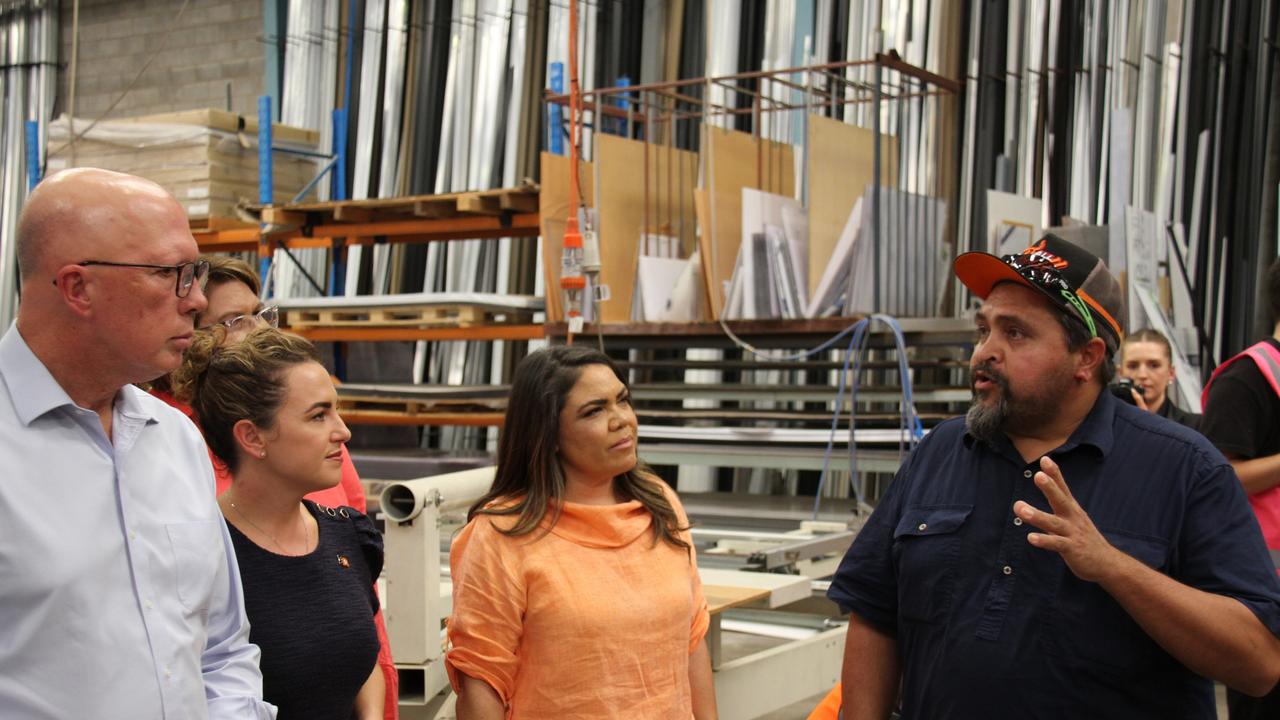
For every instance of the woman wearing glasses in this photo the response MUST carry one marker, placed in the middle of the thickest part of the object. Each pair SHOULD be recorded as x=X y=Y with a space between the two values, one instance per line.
x=268 y=408
x=232 y=287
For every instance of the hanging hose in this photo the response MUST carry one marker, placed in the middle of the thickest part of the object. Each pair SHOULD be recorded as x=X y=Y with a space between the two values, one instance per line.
x=909 y=425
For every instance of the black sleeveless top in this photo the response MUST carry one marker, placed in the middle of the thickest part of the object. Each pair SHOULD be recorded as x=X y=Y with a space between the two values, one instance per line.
x=312 y=616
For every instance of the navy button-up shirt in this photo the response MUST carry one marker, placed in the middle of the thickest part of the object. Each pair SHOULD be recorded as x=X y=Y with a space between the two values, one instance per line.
x=989 y=626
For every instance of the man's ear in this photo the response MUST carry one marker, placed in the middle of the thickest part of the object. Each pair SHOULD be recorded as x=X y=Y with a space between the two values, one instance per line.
x=1092 y=356
x=249 y=438
x=72 y=285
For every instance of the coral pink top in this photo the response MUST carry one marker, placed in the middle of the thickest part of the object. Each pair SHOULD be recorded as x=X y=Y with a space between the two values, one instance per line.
x=591 y=620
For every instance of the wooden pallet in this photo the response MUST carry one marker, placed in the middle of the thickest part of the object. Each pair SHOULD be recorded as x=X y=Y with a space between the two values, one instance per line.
x=504 y=201
x=409 y=406
x=414 y=316
x=401 y=411
x=217 y=224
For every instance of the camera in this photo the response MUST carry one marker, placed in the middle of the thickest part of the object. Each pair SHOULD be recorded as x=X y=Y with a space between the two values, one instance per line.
x=1123 y=389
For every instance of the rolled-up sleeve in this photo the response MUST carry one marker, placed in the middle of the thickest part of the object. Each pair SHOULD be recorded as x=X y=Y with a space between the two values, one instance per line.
x=1221 y=549
x=701 y=619
x=229 y=663
x=701 y=616
x=488 y=609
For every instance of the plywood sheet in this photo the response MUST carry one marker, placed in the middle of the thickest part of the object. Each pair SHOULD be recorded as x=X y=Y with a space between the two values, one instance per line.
x=779 y=589
x=720 y=598
x=702 y=211
x=736 y=161
x=841 y=165
x=554 y=205
x=227 y=122
x=626 y=209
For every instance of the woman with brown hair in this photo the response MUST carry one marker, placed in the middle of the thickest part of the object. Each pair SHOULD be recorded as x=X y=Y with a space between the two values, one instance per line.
x=232 y=288
x=575 y=586
x=269 y=410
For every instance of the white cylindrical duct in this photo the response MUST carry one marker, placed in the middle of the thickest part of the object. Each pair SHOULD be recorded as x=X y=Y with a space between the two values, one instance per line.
x=403 y=501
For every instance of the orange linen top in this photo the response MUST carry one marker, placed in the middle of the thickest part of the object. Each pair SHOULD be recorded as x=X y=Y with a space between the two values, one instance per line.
x=590 y=621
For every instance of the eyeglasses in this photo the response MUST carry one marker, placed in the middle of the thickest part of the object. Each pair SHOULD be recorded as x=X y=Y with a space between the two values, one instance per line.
x=188 y=273
x=268 y=316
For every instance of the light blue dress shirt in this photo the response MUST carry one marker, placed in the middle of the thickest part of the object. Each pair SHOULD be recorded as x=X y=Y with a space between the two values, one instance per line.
x=119 y=591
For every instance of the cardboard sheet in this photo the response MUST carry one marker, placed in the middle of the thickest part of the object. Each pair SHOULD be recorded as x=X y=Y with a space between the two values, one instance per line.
x=623 y=210
x=736 y=161
x=841 y=166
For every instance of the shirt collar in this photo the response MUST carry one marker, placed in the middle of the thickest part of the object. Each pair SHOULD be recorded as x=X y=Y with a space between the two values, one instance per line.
x=32 y=388
x=1095 y=431
x=35 y=392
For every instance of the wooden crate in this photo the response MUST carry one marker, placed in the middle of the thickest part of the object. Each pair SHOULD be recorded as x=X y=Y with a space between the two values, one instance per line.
x=210 y=162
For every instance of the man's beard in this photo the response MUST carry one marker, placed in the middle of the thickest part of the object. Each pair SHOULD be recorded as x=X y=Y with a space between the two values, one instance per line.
x=1027 y=411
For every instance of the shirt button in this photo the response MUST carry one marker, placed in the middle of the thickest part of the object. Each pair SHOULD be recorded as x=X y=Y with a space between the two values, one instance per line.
x=168 y=673
x=1006 y=570
x=1017 y=521
x=150 y=606
x=1027 y=473
x=921 y=527
x=133 y=535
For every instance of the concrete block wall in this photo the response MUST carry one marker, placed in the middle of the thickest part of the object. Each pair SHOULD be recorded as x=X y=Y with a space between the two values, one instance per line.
x=216 y=45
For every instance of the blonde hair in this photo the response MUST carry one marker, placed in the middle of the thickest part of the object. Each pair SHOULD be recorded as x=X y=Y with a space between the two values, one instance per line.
x=241 y=381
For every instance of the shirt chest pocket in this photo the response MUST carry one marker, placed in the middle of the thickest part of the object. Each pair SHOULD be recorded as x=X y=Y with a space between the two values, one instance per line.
x=1095 y=630
x=196 y=554
x=926 y=548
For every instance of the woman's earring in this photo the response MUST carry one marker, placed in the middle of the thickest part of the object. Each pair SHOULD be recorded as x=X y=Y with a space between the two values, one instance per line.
x=263 y=454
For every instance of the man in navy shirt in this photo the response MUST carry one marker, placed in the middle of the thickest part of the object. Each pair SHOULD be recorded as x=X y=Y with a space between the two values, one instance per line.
x=1056 y=553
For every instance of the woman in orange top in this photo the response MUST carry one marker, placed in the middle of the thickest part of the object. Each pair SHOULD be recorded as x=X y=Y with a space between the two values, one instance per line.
x=575 y=586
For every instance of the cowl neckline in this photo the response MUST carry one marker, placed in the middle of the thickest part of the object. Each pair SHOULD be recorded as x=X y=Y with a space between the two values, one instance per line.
x=600 y=526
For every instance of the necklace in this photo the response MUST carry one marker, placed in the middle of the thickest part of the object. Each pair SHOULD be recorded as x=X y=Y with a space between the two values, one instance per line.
x=306 y=532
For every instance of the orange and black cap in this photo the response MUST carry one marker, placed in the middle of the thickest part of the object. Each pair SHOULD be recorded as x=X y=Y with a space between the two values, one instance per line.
x=1070 y=276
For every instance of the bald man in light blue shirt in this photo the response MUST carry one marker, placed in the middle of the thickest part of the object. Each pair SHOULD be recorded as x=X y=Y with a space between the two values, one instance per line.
x=119 y=591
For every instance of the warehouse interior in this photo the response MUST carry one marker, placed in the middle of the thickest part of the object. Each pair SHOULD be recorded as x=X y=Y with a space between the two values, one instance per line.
x=753 y=207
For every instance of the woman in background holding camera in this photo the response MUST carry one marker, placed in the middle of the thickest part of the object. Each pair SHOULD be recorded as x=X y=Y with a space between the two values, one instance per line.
x=1146 y=358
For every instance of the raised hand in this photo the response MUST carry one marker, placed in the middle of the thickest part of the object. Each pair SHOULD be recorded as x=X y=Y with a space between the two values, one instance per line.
x=1068 y=530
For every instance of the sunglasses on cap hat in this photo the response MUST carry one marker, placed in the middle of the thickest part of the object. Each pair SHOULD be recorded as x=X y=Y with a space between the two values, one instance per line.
x=1070 y=276
x=1043 y=274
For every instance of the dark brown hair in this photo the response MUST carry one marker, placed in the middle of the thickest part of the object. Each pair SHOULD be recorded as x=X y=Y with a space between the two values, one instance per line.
x=222 y=268
x=529 y=480
x=241 y=381
x=1152 y=336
